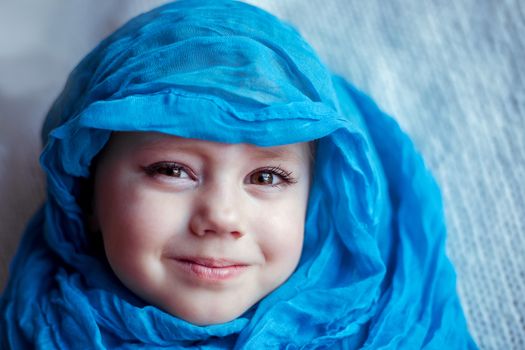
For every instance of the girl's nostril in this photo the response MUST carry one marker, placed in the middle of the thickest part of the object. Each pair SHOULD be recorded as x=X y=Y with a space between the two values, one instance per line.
x=236 y=234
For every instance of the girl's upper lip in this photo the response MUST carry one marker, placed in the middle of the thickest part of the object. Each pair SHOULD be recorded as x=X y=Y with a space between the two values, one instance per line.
x=210 y=262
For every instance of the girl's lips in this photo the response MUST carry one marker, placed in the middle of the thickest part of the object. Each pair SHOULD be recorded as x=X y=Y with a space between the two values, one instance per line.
x=210 y=269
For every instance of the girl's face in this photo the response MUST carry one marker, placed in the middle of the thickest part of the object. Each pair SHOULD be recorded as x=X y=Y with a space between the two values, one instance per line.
x=203 y=230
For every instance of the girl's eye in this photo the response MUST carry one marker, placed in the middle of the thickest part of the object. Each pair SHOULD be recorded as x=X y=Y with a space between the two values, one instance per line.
x=262 y=178
x=274 y=176
x=168 y=169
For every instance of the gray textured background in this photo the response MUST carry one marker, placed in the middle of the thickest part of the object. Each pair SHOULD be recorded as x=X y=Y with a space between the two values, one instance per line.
x=450 y=72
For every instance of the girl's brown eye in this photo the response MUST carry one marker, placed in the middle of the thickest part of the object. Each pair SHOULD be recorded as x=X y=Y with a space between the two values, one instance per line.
x=262 y=178
x=271 y=176
x=168 y=171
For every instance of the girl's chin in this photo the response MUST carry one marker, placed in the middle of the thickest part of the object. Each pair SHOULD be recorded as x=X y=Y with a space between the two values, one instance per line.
x=209 y=318
x=205 y=314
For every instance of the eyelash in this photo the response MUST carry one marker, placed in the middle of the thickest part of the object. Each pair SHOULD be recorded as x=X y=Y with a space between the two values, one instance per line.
x=159 y=168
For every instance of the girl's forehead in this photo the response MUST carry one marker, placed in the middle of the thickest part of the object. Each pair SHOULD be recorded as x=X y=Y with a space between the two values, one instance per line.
x=133 y=142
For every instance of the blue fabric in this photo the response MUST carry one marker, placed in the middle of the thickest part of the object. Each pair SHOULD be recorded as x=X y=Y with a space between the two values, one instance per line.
x=373 y=273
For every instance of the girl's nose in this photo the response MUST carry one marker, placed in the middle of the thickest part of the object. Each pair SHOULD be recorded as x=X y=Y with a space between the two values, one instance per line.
x=217 y=212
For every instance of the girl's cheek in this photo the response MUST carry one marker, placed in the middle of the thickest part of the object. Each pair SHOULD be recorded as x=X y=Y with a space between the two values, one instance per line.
x=283 y=239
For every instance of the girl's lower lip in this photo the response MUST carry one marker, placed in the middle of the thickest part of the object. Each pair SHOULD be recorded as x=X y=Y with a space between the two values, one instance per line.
x=210 y=273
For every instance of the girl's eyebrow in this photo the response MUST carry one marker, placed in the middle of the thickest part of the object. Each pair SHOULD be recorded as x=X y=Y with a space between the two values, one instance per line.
x=276 y=152
x=264 y=153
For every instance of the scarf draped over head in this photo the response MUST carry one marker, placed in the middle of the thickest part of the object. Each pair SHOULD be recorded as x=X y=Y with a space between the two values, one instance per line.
x=373 y=273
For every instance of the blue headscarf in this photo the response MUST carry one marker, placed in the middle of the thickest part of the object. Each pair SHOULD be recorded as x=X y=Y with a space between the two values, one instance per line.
x=373 y=272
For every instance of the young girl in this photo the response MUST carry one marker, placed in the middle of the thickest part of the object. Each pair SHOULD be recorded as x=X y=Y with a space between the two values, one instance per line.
x=211 y=184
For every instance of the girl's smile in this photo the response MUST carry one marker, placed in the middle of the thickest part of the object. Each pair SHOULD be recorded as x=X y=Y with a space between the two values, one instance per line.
x=203 y=230
x=210 y=269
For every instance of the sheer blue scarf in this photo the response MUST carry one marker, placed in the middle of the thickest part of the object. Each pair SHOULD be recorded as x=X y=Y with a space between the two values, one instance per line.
x=373 y=272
